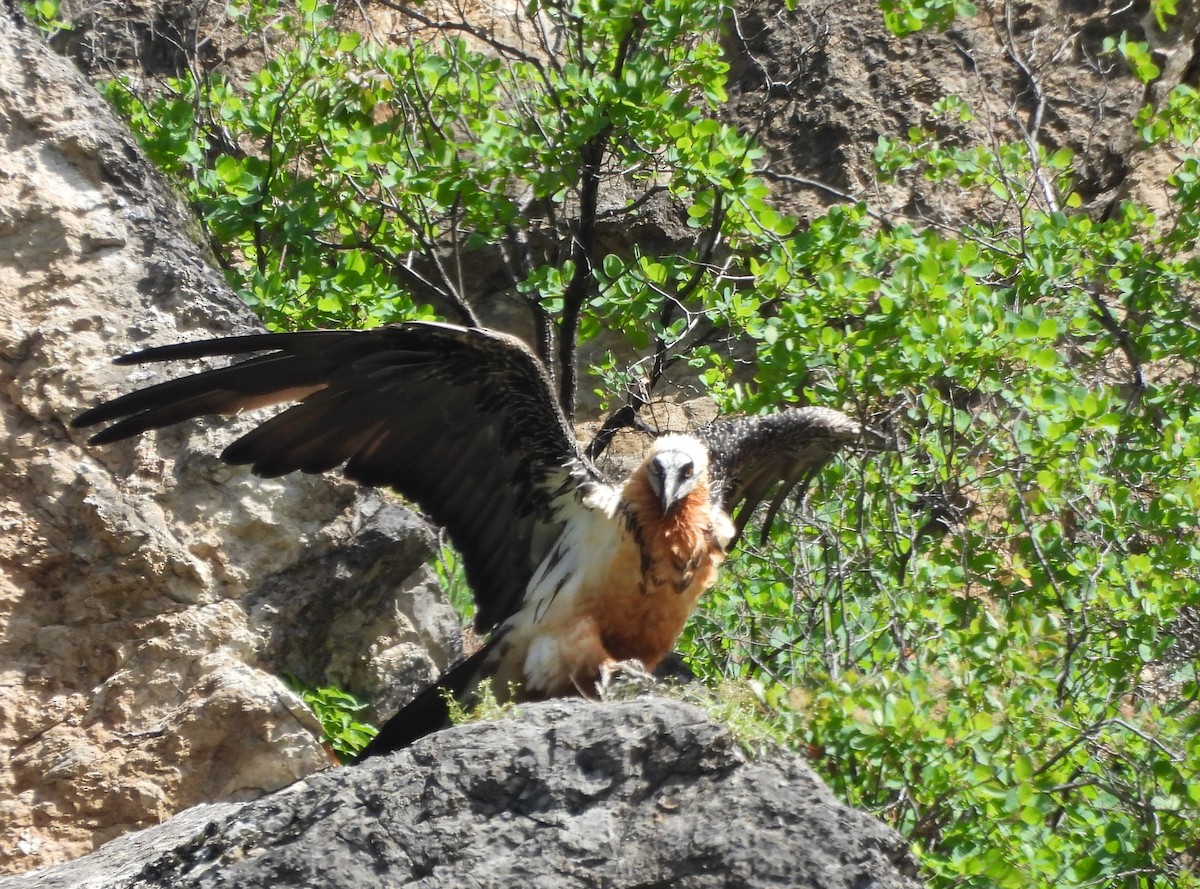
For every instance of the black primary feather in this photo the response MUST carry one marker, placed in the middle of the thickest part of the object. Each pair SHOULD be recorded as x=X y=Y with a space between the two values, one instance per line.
x=429 y=711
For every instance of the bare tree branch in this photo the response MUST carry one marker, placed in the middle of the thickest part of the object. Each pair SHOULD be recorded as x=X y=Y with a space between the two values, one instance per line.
x=1120 y=333
x=583 y=244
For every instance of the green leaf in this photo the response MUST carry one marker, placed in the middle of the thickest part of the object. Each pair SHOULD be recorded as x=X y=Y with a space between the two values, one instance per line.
x=1045 y=358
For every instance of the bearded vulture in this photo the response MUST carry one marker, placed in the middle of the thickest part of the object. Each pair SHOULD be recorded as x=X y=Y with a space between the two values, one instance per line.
x=573 y=575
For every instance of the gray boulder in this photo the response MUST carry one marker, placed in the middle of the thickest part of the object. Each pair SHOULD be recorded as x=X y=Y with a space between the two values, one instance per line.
x=648 y=793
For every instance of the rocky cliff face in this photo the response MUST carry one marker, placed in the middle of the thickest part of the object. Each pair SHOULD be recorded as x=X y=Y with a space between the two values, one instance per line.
x=150 y=596
x=567 y=794
x=821 y=85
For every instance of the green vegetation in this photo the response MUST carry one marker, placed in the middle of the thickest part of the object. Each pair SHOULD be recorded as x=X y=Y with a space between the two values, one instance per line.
x=972 y=636
x=336 y=710
x=46 y=15
x=483 y=708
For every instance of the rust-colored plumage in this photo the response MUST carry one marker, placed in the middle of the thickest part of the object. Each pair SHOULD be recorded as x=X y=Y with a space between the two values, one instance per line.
x=572 y=574
x=679 y=553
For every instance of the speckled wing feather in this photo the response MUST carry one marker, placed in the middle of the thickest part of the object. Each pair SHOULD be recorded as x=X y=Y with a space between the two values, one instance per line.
x=461 y=421
x=756 y=458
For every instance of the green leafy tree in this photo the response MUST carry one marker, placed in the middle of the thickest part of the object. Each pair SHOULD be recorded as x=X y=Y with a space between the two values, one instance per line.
x=349 y=182
x=982 y=636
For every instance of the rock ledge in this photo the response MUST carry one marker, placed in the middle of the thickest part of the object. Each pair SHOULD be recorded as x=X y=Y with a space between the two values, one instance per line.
x=566 y=794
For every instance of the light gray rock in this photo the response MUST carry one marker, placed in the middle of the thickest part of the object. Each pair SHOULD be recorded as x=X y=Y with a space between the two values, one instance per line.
x=150 y=595
x=566 y=794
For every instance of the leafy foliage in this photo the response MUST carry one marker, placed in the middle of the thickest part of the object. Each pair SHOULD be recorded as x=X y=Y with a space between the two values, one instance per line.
x=337 y=711
x=330 y=180
x=484 y=707
x=976 y=639
x=45 y=14
x=979 y=635
x=909 y=16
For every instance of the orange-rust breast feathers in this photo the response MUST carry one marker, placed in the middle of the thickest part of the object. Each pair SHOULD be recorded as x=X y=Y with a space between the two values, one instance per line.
x=672 y=558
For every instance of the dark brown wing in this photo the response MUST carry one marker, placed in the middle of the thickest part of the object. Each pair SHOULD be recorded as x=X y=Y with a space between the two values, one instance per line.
x=461 y=421
x=756 y=458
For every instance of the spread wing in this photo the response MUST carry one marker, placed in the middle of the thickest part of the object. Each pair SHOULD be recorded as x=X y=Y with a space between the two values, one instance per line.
x=753 y=459
x=461 y=421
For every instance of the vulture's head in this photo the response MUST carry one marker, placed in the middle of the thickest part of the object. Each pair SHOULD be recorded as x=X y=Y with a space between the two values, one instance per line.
x=676 y=465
